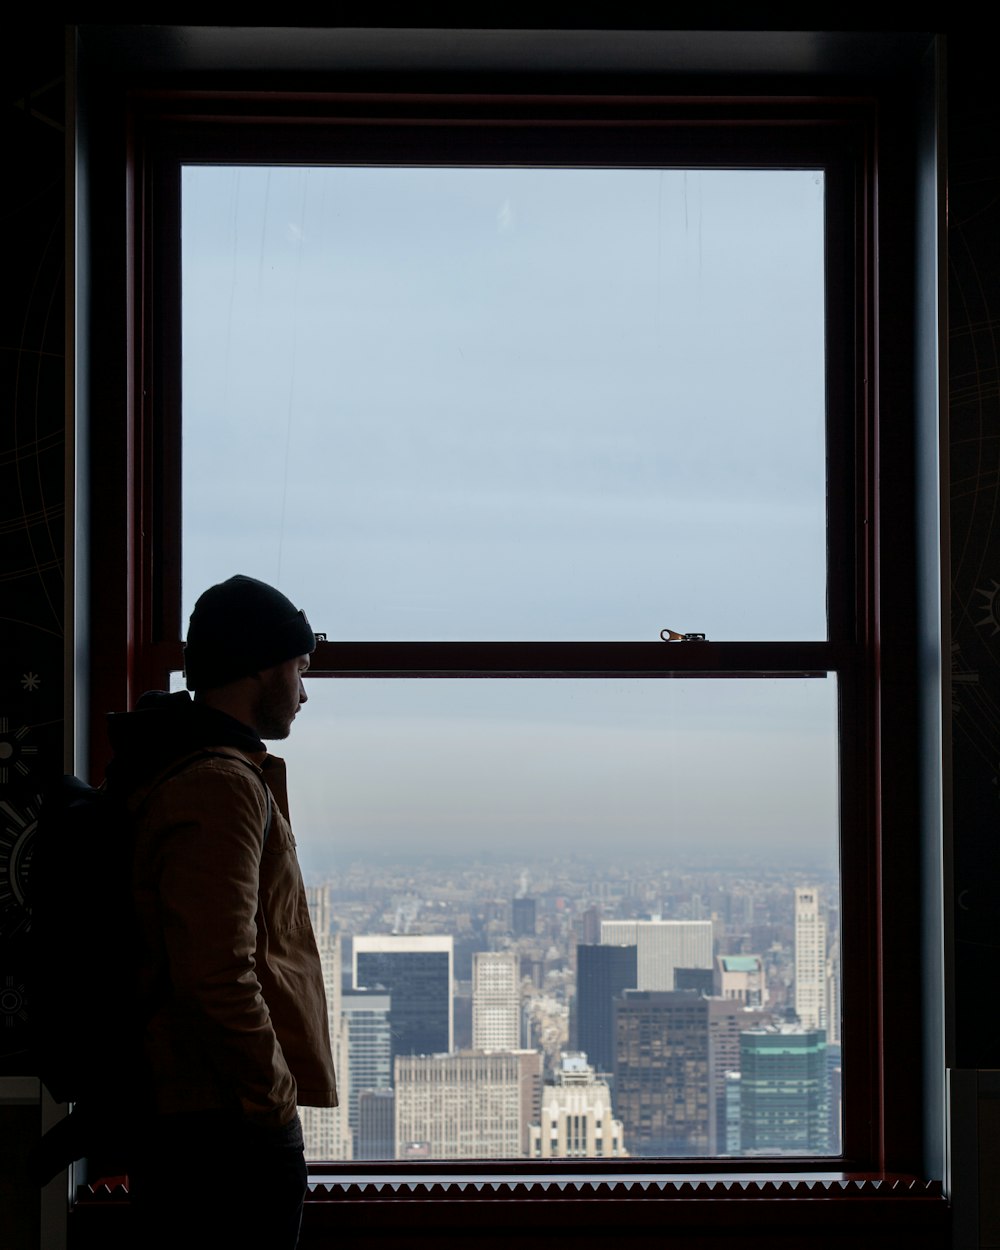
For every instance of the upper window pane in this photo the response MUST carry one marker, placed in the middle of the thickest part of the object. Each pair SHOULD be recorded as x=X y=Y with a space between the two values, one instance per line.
x=509 y=403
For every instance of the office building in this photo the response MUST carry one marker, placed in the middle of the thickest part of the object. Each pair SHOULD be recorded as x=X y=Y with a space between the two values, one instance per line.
x=366 y=1023
x=375 y=1135
x=731 y=1142
x=785 y=1091
x=416 y=972
x=602 y=974
x=496 y=1001
x=523 y=917
x=740 y=977
x=471 y=1105
x=325 y=1130
x=661 y=947
x=590 y=927
x=832 y=993
x=662 y=1085
x=701 y=980
x=575 y=1119
x=834 y=1067
x=728 y=1019
x=810 y=959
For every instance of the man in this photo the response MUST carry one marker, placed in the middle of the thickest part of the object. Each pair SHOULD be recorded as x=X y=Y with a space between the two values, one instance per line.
x=231 y=988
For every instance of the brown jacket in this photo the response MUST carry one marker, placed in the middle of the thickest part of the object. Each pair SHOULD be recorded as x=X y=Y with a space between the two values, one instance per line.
x=233 y=978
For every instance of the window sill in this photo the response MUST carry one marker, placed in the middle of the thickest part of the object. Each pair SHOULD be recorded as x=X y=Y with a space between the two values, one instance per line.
x=684 y=1209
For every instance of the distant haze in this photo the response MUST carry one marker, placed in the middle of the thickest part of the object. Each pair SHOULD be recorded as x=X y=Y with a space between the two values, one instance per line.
x=511 y=403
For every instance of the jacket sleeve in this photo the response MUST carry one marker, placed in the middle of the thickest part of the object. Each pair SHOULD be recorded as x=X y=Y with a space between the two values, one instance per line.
x=206 y=833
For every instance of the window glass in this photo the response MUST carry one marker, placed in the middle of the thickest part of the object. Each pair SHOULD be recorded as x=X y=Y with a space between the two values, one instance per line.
x=510 y=403
x=521 y=837
x=549 y=404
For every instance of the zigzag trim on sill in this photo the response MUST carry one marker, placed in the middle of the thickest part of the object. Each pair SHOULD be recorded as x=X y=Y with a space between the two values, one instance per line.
x=498 y=1189
x=865 y=1189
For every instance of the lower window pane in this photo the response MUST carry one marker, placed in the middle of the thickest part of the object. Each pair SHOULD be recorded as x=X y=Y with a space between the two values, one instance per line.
x=574 y=918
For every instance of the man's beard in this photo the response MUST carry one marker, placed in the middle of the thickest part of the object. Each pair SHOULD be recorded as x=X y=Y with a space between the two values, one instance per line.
x=272 y=718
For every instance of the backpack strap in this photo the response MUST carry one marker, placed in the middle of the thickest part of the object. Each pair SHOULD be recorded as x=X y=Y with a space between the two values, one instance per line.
x=179 y=765
x=270 y=809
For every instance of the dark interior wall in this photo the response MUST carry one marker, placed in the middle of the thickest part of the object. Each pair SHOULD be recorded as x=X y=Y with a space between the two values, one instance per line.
x=974 y=414
x=32 y=517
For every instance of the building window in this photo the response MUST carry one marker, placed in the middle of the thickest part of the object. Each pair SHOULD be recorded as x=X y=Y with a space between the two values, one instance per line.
x=508 y=418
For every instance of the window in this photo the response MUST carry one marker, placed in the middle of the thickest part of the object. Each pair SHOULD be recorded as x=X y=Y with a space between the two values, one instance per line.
x=517 y=369
x=837 y=656
x=530 y=409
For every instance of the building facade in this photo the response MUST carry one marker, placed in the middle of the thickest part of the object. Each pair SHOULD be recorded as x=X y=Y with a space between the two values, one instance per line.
x=784 y=1091
x=471 y=1105
x=326 y=1130
x=662 y=1074
x=366 y=1023
x=496 y=1001
x=740 y=977
x=810 y=959
x=662 y=946
x=575 y=1119
x=416 y=971
x=602 y=974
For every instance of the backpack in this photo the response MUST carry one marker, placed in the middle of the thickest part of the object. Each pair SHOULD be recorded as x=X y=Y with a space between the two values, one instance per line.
x=86 y=1018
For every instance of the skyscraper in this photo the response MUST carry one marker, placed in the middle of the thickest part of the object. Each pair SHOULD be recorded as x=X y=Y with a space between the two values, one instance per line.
x=471 y=1105
x=575 y=1119
x=416 y=972
x=662 y=946
x=662 y=1086
x=523 y=917
x=728 y=1019
x=496 y=1001
x=325 y=1130
x=375 y=1136
x=832 y=993
x=810 y=959
x=784 y=1091
x=366 y=1015
x=602 y=973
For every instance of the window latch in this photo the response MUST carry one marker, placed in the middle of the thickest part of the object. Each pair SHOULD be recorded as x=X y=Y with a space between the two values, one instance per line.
x=671 y=635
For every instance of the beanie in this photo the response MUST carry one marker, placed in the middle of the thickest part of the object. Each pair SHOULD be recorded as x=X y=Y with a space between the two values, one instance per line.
x=239 y=627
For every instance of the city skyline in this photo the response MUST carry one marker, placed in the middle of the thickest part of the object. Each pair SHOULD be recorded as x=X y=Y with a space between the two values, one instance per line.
x=750 y=990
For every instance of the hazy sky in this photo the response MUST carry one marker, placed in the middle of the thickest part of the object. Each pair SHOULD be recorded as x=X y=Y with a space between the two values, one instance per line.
x=508 y=403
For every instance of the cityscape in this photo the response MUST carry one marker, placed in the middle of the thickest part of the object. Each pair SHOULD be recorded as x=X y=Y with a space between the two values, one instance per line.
x=575 y=1009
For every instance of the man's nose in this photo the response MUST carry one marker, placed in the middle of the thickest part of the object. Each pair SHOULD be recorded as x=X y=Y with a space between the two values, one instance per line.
x=303 y=697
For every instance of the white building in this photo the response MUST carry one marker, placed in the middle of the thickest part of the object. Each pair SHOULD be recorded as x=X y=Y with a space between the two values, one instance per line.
x=325 y=1129
x=496 y=1001
x=575 y=1120
x=469 y=1105
x=661 y=947
x=810 y=959
x=740 y=978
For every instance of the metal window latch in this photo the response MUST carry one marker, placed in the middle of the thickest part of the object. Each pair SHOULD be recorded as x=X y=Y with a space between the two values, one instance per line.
x=671 y=635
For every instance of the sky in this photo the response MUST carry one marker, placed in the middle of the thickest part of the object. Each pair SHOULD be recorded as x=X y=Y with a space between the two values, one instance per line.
x=522 y=404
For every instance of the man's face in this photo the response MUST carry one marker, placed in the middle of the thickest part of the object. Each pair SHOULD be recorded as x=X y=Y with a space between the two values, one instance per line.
x=280 y=696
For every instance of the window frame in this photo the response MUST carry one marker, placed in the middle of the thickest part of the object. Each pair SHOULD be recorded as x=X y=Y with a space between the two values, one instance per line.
x=617 y=133
x=145 y=645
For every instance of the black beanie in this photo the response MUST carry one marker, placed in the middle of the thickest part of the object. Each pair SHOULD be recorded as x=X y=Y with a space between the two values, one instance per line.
x=239 y=627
